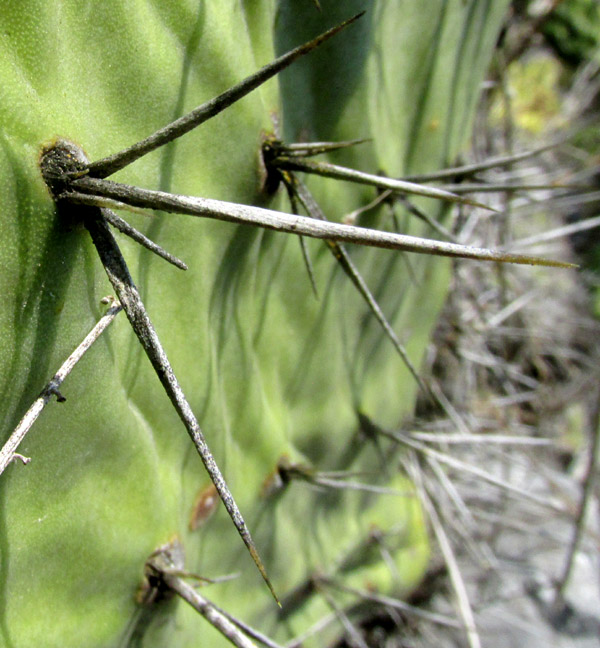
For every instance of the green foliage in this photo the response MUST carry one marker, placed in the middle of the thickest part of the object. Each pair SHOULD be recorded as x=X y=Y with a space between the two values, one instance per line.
x=573 y=29
x=269 y=370
x=534 y=86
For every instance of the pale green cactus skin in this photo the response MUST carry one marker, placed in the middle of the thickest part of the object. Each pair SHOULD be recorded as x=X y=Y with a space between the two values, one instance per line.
x=269 y=370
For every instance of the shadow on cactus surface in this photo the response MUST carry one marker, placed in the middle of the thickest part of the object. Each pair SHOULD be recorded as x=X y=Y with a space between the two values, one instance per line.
x=286 y=387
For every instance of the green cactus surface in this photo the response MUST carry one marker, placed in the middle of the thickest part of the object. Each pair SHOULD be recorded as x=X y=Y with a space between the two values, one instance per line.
x=275 y=376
